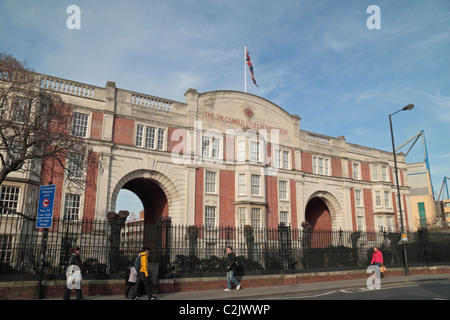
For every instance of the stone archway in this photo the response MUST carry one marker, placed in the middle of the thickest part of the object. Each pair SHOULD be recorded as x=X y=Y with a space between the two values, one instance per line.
x=157 y=193
x=153 y=198
x=318 y=215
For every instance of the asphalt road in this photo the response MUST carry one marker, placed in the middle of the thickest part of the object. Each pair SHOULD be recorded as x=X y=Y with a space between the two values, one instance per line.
x=433 y=290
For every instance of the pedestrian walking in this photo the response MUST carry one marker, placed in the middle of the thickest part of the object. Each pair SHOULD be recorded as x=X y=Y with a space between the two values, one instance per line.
x=377 y=259
x=141 y=265
x=131 y=281
x=231 y=268
x=74 y=278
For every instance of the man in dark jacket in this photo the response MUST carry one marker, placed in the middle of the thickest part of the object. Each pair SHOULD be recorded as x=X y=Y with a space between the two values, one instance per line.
x=231 y=267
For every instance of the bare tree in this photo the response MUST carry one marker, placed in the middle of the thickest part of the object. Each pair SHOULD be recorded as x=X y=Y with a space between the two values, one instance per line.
x=36 y=129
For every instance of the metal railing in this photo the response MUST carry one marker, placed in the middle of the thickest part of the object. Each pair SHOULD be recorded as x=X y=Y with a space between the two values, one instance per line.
x=180 y=250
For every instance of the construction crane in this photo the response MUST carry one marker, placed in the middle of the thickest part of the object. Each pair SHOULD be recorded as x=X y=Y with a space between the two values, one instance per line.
x=444 y=184
x=425 y=152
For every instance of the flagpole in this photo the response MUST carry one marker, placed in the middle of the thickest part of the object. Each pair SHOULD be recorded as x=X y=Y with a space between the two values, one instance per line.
x=245 y=68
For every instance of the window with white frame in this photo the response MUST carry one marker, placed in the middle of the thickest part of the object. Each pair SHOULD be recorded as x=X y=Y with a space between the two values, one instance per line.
x=150 y=137
x=321 y=166
x=358 y=198
x=254 y=151
x=72 y=206
x=241 y=150
x=375 y=173
x=9 y=199
x=284 y=218
x=387 y=199
x=384 y=173
x=285 y=159
x=211 y=147
x=281 y=159
x=242 y=189
x=210 y=216
x=74 y=165
x=80 y=125
x=255 y=184
x=282 y=190
x=390 y=224
x=21 y=110
x=139 y=135
x=242 y=211
x=378 y=199
x=161 y=134
x=356 y=174
x=210 y=182
x=256 y=218
x=380 y=223
x=360 y=223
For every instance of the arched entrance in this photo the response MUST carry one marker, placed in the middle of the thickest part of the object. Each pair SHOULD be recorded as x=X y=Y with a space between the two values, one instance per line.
x=153 y=198
x=318 y=214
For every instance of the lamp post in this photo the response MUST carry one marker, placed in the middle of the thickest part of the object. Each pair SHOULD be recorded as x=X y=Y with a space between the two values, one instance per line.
x=405 y=108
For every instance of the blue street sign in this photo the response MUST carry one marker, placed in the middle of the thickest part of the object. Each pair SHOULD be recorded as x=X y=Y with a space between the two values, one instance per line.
x=45 y=209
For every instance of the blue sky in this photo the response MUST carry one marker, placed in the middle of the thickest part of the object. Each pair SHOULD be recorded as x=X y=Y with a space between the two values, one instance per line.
x=317 y=59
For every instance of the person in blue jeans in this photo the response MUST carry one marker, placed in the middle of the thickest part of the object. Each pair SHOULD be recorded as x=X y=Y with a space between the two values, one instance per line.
x=231 y=267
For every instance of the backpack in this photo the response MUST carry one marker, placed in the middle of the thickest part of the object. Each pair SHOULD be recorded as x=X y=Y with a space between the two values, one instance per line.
x=137 y=263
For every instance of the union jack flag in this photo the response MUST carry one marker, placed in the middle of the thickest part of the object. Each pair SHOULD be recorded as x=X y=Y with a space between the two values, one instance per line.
x=247 y=61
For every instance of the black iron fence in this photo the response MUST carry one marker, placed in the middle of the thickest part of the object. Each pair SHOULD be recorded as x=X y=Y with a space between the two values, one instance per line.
x=109 y=246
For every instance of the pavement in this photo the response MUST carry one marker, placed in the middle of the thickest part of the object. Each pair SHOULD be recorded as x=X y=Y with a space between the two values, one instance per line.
x=277 y=292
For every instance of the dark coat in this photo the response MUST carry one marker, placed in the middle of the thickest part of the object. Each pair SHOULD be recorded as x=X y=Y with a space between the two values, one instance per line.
x=231 y=262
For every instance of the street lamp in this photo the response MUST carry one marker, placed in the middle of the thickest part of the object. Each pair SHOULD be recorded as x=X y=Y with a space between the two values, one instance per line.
x=405 y=108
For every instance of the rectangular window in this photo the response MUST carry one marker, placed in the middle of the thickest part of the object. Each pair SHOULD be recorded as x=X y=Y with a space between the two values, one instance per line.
x=255 y=184
x=210 y=216
x=6 y=243
x=21 y=110
x=242 y=185
x=356 y=171
x=360 y=223
x=387 y=199
x=254 y=151
x=211 y=147
x=80 y=125
x=154 y=137
x=215 y=148
x=241 y=150
x=390 y=224
x=284 y=218
x=139 y=135
x=375 y=173
x=321 y=166
x=161 y=134
x=256 y=218
x=384 y=173
x=72 y=206
x=210 y=182
x=358 y=198
x=378 y=199
x=380 y=223
x=9 y=199
x=285 y=159
x=242 y=217
x=282 y=190
x=74 y=165
x=150 y=138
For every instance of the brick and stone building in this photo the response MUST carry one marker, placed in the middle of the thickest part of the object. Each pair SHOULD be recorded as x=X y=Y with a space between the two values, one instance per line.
x=220 y=158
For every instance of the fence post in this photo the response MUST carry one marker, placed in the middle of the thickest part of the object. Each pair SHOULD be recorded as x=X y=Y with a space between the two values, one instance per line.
x=42 y=260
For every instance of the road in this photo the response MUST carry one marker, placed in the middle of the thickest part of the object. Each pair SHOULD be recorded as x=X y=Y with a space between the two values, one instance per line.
x=433 y=290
